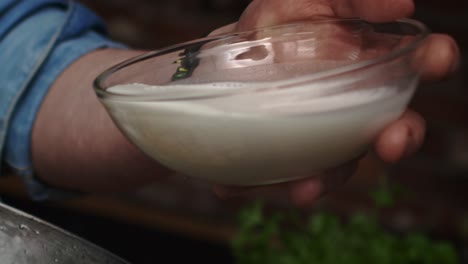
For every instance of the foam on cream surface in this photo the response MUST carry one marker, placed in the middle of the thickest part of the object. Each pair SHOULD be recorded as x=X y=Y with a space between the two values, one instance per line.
x=246 y=97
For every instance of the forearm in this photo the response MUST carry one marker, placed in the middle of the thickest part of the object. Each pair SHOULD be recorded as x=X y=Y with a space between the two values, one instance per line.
x=76 y=145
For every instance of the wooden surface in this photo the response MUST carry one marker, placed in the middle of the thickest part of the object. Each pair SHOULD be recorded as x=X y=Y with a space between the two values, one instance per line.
x=128 y=211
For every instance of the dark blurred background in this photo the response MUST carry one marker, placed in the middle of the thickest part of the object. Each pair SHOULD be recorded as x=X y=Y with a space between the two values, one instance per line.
x=144 y=225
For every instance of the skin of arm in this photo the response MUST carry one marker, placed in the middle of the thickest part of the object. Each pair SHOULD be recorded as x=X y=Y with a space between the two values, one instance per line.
x=75 y=144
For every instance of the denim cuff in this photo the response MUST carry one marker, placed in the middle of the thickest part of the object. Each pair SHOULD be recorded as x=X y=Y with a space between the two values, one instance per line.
x=35 y=50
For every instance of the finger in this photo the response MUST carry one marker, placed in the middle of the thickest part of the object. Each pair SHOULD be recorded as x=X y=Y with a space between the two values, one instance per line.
x=372 y=10
x=439 y=57
x=230 y=192
x=402 y=138
x=300 y=190
x=262 y=13
x=304 y=193
x=300 y=193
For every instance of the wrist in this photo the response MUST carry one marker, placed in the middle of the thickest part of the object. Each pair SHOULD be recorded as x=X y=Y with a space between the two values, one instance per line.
x=75 y=144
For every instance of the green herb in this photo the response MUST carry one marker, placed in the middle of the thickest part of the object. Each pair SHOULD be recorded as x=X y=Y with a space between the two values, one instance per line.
x=282 y=238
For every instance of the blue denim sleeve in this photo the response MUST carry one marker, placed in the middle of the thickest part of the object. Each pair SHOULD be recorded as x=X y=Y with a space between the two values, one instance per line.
x=38 y=40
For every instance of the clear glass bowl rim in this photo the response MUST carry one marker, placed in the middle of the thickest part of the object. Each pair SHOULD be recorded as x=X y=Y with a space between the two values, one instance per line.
x=424 y=32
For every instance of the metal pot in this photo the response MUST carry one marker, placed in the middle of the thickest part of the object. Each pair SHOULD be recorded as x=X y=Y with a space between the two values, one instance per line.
x=25 y=239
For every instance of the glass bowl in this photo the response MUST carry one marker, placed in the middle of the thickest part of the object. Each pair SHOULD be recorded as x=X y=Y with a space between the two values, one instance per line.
x=269 y=105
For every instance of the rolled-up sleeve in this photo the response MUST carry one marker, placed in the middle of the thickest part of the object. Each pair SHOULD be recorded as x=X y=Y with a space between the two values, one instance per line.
x=38 y=40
